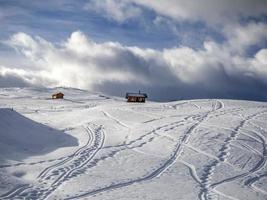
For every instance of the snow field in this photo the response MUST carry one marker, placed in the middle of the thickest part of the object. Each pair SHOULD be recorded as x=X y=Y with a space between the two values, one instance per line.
x=92 y=146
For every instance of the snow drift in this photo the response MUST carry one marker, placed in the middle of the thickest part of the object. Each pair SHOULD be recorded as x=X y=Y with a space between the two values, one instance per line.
x=22 y=137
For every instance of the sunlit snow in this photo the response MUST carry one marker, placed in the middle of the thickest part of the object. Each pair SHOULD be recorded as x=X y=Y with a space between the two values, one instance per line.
x=93 y=146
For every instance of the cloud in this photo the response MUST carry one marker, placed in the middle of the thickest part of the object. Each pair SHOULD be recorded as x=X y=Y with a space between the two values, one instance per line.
x=214 y=71
x=261 y=58
x=241 y=37
x=210 y=11
x=215 y=48
x=14 y=77
x=12 y=80
x=240 y=22
x=117 y=10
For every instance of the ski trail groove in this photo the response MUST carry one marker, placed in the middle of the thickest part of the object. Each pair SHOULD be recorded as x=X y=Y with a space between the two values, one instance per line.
x=137 y=143
x=251 y=181
x=157 y=172
x=256 y=168
x=34 y=163
x=88 y=143
x=54 y=176
x=143 y=139
x=192 y=171
x=114 y=119
x=207 y=189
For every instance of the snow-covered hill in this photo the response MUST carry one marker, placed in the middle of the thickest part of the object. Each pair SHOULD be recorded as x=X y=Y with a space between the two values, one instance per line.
x=92 y=146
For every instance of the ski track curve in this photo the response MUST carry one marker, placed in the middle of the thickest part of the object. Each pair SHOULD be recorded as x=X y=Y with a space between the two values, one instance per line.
x=137 y=143
x=55 y=175
x=192 y=171
x=75 y=164
x=44 y=175
x=167 y=164
x=143 y=139
x=34 y=163
x=88 y=143
x=114 y=119
x=207 y=191
x=252 y=180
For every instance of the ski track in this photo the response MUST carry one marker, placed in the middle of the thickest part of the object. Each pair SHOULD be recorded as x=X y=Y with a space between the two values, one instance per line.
x=34 y=163
x=251 y=180
x=192 y=171
x=137 y=143
x=207 y=189
x=114 y=119
x=143 y=139
x=55 y=175
x=85 y=157
x=165 y=166
x=66 y=158
x=153 y=120
x=48 y=169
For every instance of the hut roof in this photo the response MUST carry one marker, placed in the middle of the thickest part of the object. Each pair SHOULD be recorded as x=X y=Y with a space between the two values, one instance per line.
x=136 y=95
x=58 y=93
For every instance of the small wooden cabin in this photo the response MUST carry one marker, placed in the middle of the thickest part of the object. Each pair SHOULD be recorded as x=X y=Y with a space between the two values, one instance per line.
x=58 y=96
x=136 y=97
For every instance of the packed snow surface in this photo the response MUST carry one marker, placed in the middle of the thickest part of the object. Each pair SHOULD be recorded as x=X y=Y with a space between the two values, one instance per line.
x=92 y=146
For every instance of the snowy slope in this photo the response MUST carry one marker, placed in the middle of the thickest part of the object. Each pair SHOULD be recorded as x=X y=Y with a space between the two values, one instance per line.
x=92 y=146
x=28 y=136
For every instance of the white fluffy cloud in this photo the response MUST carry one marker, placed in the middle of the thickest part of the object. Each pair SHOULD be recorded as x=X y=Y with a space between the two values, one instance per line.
x=214 y=70
x=210 y=11
x=78 y=62
x=241 y=37
x=118 y=10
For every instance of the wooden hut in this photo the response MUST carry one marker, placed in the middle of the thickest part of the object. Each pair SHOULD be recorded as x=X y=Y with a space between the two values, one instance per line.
x=136 y=97
x=59 y=95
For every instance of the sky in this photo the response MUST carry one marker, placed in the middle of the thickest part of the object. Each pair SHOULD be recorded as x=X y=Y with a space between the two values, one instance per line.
x=170 y=49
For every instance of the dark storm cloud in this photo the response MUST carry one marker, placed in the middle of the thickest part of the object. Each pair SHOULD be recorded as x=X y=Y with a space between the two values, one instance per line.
x=9 y=80
x=171 y=49
x=216 y=71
